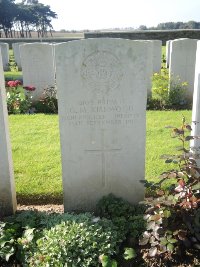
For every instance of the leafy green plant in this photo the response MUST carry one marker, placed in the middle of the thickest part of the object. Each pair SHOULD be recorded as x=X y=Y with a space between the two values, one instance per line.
x=106 y=261
x=163 y=58
x=129 y=253
x=167 y=93
x=173 y=214
x=75 y=244
x=111 y=206
x=40 y=239
x=48 y=102
x=8 y=234
x=17 y=100
x=129 y=218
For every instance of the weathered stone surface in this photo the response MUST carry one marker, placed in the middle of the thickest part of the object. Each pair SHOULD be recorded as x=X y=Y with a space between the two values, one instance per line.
x=157 y=55
x=195 y=144
x=38 y=67
x=102 y=91
x=7 y=187
x=182 y=62
x=150 y=63
x=5 y=55
x=16 y=52
x=154 y=61
x=168 y=51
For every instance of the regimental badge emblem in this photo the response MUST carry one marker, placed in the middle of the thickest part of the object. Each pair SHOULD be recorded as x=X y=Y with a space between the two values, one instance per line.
x=102 y=71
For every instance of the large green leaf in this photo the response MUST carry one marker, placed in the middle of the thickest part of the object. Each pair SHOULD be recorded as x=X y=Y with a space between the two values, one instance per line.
x=129 y=254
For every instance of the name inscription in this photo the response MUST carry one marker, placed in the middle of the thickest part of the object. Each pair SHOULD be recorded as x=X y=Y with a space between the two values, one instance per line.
x=102 y=112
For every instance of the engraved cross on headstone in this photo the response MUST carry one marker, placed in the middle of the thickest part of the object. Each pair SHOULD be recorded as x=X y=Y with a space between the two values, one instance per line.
x=103 y=150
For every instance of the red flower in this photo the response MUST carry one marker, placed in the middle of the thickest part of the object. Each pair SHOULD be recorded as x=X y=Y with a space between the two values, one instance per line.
x=13 y=83
x=18 y=82
x=29 y=88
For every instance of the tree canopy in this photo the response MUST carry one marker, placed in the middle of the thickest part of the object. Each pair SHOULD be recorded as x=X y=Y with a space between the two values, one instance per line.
x=22 y=18
x=173 y=26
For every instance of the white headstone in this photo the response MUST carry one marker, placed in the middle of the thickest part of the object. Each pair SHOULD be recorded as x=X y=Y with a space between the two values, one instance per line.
x=195 y=144
x=157 y=55
x=16 y=52
x=5 y=55
x=182 y=62
x=7 y=187
x=168 y=51
x=150 y=62
x=154 y=61
x=38 y=67
x=102 y=92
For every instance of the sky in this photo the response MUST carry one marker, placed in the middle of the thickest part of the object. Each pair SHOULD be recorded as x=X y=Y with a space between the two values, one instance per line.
x=105 y=14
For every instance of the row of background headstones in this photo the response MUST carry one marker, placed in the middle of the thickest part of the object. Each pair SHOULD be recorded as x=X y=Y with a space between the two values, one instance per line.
x=38 y=66
x=181 y=60
x=66 y=64
x=37 y=63
x=5 y=55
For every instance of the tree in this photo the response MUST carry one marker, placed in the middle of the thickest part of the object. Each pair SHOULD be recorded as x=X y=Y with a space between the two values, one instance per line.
x=25 y=16
x=42 y=18
x=7 y=15
x=173 y=26
x=24 y=20
x=192 y=25
x=142 y=27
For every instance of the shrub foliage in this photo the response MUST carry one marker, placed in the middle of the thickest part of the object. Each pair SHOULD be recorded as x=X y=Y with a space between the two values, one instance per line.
x=167 y=93
x=173 y=214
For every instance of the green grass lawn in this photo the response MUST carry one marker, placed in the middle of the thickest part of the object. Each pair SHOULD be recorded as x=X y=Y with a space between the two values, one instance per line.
x=36 y=155
x=37 y=159
x=159 y=140
x=12 y=75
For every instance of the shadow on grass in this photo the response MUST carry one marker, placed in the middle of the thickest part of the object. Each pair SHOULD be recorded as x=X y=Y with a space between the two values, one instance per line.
x=38 y=199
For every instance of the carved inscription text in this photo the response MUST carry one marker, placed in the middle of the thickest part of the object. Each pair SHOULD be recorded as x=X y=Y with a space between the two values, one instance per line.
x=101 y=113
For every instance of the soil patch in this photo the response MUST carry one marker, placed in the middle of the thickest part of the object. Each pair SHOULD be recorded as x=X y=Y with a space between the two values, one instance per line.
x=50 y=208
